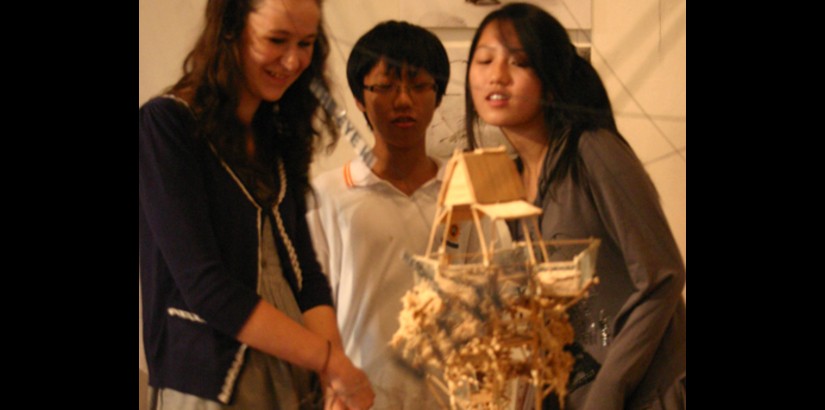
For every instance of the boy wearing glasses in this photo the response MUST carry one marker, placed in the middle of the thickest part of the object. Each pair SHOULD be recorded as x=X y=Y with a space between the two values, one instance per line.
x=366 y=218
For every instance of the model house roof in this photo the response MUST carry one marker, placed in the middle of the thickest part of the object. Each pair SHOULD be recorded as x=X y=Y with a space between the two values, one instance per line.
x=487 y=180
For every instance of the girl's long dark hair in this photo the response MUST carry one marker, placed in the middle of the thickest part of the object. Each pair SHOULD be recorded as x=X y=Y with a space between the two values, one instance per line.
x=211 y=84
x=574 y=99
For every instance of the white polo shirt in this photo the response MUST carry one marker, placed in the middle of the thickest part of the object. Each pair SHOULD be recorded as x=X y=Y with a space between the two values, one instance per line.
x=361 y=227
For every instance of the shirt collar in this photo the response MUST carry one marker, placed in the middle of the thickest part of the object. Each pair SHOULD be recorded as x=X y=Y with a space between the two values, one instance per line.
x=363 y=176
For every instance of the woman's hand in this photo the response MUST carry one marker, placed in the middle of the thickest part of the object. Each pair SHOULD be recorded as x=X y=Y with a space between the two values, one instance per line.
x=347 y=386
x=331 y=402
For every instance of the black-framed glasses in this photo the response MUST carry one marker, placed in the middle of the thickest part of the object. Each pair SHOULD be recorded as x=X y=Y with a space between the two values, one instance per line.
x=393 y=89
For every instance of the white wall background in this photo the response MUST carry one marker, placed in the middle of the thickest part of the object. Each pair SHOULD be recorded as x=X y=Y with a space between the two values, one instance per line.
x=638 y=47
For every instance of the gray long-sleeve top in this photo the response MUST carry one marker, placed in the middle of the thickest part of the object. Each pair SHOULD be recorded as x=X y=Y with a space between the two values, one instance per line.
x=641 y=272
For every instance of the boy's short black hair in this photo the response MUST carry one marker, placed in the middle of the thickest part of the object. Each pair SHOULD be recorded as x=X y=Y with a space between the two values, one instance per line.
x=398 y=43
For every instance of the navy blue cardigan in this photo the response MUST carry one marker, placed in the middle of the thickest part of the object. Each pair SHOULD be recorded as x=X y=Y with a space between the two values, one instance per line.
x=198 y=248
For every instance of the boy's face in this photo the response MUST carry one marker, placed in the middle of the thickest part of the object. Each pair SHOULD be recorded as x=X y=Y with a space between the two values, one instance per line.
x=399 y=108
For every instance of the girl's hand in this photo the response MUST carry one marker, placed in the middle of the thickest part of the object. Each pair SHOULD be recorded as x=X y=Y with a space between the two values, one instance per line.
x=349 y=385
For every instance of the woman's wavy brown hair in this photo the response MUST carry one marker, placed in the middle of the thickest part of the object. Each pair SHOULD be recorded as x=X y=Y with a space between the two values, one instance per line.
x=211 y=83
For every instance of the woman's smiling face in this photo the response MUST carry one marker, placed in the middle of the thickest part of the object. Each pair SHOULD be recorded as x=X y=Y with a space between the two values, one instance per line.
x=276 y=46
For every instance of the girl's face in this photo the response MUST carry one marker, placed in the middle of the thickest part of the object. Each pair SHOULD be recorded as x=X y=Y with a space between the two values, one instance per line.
x=276 y=46
x=506 y=92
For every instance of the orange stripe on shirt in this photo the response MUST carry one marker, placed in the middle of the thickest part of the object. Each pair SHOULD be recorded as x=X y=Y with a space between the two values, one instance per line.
x=348 y=176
